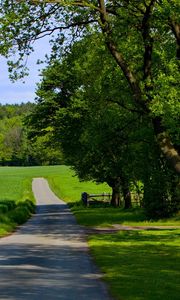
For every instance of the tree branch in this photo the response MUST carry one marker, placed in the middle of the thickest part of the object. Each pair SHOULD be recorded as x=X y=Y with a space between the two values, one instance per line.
x=175 y=27
x=131 y=78
x=148 y=40
x=47 y=32
x=67 y=3
x=133 y=110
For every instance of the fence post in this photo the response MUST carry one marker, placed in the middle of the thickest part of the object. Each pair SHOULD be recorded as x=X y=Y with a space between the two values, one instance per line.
x=84 y=198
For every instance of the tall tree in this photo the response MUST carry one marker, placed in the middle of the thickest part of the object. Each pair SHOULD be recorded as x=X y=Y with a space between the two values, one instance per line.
x=104 y=136
x=141 y=36
x=68 y=102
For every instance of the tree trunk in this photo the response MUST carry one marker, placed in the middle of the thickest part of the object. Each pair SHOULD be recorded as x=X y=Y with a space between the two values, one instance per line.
x=115 y=201
x=115 y=184
x=176 y=30
x=163 y=139
x=126 y=193
x=166 y=146
x=127 y=198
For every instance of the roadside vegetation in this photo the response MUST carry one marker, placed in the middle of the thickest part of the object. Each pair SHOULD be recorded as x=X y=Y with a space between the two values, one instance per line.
x=108 y=98
x=16 y=198
x=139 y=265
x=107 y=105
x=17 y=202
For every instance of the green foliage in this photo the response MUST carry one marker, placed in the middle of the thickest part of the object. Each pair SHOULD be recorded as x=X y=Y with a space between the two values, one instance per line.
x=125 y=53
x=21 y=212
x=97 y=145
x=6 y=206
x=101 y=142
x=160 y=187
x=12 y=138
x=15 y=148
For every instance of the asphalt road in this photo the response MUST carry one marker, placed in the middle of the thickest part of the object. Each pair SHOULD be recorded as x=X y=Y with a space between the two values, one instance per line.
x=48 y=258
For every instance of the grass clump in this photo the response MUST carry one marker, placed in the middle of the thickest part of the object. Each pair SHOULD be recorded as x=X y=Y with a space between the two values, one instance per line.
x=22 y=212
x=16 y=199
x=14 y=214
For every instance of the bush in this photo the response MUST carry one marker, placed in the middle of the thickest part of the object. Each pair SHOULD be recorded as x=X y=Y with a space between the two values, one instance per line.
x=22 y=212
x=3 y=208
x=7 y=205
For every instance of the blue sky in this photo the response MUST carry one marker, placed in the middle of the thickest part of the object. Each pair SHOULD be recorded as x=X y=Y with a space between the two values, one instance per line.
x=18 y=92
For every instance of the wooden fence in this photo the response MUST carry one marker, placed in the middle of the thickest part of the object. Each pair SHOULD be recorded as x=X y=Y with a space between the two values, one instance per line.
x=88 y=199
x=92 y=198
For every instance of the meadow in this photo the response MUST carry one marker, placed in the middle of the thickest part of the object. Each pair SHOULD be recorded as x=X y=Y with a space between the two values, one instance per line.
x=137 y=265
x=16 y=199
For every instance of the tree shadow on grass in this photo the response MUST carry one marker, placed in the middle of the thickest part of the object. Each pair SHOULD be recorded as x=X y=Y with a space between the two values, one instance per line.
x=143 y=266
x=105 y=214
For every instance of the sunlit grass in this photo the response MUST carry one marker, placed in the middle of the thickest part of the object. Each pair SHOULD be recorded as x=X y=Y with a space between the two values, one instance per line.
x=143 y=265
x=137 y=265
x=16 y=188
x=15 y=185
x=68 y=187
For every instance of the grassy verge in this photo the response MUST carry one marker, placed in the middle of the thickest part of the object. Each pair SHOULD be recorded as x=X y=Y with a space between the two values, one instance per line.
x=67 y=187
x=140 y=265
x=107 y=216
x=16 y=202
x=137 y=265
x=16 y=198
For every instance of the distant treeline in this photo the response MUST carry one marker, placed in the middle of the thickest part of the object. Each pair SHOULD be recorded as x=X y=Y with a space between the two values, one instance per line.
x=16 y=148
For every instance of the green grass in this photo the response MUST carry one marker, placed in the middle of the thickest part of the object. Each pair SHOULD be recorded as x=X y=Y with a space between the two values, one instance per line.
x=15 y=185
x=16 y=198
x=69 y=188
x=93 y=216
x=138 y=265
x=141 y=265
x=61 y=179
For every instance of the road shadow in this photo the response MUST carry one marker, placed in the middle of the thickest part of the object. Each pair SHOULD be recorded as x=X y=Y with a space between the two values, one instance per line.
x=48 y=257
x=55 y=221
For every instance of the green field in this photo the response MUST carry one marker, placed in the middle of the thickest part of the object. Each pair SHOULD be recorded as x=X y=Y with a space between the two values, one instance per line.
x=16 y=196
x=137 y=265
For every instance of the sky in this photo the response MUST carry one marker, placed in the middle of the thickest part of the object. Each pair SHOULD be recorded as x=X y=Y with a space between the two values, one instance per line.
x=18 y=92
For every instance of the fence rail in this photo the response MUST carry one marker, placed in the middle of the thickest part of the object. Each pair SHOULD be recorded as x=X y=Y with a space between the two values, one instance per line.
x=87 y=199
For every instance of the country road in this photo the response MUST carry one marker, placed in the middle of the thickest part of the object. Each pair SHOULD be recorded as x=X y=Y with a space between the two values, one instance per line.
x=48 y=256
